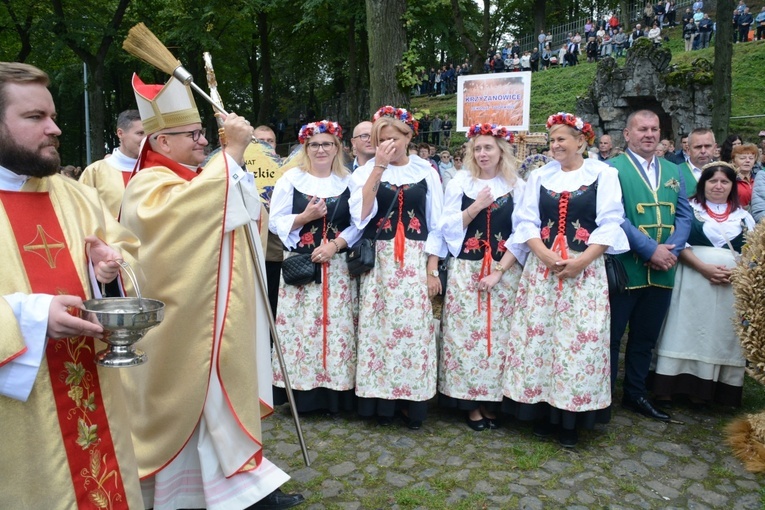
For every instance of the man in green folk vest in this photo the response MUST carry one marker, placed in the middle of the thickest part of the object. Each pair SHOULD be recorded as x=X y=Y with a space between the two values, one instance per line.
x=701 y=150
x=657 y=223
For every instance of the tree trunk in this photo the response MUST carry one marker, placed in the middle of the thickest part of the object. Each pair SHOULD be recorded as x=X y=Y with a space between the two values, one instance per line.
x=353 y=78
x=97 y=109
x=539 y=16
x=625 y=18
x=264 y=111
x=387 y=43
x=722 y=85
x=477 y=55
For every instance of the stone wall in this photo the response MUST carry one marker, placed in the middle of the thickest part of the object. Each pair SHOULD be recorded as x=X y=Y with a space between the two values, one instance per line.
x=681 y=96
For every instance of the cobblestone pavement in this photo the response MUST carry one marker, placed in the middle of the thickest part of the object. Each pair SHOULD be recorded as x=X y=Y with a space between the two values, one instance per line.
x=632 y=462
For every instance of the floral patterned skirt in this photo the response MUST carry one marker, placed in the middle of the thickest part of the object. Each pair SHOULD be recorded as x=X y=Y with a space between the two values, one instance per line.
x=396 y=337
x=471 y=363
x=559 y=346
x=312 y=363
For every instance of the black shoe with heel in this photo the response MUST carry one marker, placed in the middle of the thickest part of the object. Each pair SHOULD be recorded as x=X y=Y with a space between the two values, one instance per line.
x=644 y=406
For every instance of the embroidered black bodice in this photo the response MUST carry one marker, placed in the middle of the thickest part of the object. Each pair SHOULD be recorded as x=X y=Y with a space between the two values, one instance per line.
x=411 y=208
x=312 y=232
x=580 y=215
x=500 y=228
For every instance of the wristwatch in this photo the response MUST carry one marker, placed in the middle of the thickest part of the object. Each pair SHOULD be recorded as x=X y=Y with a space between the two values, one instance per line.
x=499 y=267
x=433 y=273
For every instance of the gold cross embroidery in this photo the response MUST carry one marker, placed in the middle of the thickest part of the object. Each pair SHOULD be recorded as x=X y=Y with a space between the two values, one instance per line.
x=45 y=246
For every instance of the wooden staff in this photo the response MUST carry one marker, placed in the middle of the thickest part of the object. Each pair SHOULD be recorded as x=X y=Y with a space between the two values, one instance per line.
x=144 y=45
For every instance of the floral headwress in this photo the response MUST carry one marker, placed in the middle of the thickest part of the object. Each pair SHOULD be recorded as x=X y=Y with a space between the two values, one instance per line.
x=573 y=121
x=315 y=128
x=494 y=130
x=398 y=114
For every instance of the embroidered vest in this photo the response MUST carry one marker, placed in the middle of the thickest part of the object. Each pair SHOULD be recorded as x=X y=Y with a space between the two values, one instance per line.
x=652 y=212
x=499 y=229
x=411 y=208
x=312 y=232
x=580 y=217
x=690 y=179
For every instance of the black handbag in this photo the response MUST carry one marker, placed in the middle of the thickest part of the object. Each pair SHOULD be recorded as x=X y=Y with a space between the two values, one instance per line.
x=299 y=269
x=443 y=269
x=361 y=257
x=618 y=280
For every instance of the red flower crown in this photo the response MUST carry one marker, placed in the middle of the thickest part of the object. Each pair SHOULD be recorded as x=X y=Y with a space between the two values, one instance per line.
x=573 y=121
x=491 y=130
x=315 y=128
x=399 y=114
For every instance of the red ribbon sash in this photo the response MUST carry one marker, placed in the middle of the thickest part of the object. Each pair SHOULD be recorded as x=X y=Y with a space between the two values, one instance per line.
x=96 y=476
x=560 y=245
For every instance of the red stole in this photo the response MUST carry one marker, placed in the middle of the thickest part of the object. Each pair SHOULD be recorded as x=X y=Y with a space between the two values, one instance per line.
x=96 y=476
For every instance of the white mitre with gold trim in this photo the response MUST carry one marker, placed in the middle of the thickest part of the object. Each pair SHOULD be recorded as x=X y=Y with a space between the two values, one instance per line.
x=165 y=106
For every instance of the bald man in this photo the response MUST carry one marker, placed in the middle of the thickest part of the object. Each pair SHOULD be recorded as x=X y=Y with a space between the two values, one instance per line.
x=362 y=144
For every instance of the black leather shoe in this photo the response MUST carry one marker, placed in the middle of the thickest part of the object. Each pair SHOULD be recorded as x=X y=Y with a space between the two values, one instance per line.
x=278 y=500
x=477 y=425
x=384 y=421
x=492 y=423
x=644 y=406
x=568 y=438
x=543 y=429
x=410 y=423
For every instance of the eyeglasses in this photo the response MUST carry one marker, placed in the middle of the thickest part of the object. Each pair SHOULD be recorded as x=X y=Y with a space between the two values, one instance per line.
x=194 y=135
x=326 y=146
x=363 y=137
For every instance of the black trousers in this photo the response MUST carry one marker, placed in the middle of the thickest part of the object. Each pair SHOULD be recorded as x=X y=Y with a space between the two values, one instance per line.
x=644 y=310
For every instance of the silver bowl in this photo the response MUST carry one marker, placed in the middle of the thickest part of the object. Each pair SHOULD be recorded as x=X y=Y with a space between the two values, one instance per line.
x=125 y=320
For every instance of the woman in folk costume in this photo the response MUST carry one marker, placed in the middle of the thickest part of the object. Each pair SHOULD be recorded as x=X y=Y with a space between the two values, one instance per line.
x=317 y=321
x=396 y=368
x=698 y=354
x=196 y=416
x=482 y=277
x=558 y=363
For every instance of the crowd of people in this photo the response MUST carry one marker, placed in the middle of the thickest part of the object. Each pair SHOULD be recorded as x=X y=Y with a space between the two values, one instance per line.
x=531 y=326
x=599 y=38
x=533 y=317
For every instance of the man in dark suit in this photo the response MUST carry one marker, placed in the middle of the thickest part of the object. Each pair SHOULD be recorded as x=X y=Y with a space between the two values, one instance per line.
x=657 y=223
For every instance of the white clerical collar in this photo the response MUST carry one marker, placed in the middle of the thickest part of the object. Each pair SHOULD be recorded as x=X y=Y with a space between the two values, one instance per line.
x=122 y=162
x=11 y=181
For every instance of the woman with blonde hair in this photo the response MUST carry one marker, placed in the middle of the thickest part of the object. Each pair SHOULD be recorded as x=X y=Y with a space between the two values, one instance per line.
x=482 y=276
x=398 y=198
x=558 y=371
x=316 y=320
x=743 y=157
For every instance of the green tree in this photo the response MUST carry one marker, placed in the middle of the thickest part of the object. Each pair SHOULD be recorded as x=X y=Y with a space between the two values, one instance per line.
x=90 y=34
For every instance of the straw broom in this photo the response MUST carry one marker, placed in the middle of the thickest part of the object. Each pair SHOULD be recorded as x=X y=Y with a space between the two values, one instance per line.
x=144 y=45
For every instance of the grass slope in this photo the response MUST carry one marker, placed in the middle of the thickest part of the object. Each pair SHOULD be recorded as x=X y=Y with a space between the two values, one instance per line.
x=556 y=90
